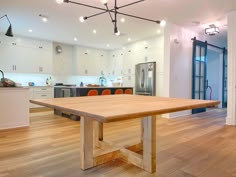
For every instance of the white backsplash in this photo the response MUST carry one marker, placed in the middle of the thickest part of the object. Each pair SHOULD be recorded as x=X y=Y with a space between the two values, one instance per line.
x=24 y=78
x=40 y=79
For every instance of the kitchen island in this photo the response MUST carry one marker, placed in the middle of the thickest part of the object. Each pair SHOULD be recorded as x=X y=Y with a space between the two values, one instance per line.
x=73 y=91
x=96 y=110
x=14 y=109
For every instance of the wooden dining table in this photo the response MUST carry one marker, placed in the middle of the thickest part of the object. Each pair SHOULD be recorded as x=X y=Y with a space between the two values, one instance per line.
x=97 y=110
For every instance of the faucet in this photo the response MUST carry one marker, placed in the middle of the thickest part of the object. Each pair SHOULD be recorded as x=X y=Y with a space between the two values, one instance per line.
x=2 y=74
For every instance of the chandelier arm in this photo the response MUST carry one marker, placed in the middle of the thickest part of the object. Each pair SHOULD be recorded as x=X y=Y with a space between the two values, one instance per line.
x=105 y=11
x=96 y=14
x=141 y=18
x=130 y=4
x=110 y=14
x=86 y=5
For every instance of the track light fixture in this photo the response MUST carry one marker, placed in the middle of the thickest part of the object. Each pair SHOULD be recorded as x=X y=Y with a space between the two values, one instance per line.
x=113 y=13
x=9 y=30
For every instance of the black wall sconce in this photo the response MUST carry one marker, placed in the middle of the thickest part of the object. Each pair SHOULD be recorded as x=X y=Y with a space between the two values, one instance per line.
x=9 y=30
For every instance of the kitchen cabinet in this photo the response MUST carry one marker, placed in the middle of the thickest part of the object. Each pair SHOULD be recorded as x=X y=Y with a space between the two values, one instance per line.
x=115 y=63
x=25 y=55
x=40 y=93
x=90 y=62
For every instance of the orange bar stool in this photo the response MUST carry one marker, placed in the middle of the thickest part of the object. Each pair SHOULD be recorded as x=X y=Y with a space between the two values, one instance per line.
x=92 y=93
x=128 y=91
x=119 y=91
x=106 y=92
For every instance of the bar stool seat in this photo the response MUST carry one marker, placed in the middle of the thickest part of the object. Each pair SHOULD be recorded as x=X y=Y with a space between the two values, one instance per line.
x=128 y=91
x=119 y=91
x=106 y=92
x=92 y=92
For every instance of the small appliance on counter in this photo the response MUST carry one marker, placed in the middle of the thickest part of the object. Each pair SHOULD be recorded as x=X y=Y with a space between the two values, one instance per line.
x=6 y=82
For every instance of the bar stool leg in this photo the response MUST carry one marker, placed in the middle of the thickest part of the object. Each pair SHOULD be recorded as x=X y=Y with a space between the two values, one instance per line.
x=149 y=143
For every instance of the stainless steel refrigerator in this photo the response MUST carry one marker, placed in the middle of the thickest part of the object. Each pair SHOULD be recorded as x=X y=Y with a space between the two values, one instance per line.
x=145 y=79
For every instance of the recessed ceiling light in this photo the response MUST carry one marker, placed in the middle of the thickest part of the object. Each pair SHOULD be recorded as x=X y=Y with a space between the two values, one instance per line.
x=94 y=31
x=30 y=30
x=43 y=18
x=129 y=39
x=163 y=23
x=108 y=45
x=75 y=39
x=122 y=20
x=158 y=31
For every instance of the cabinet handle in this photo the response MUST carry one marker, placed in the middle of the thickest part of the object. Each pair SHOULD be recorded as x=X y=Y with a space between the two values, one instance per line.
x=43 y=89
x=43 y=95
x=15 y=67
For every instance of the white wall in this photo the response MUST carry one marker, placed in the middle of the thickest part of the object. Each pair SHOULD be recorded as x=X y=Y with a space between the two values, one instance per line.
x=231 y=97
x=180 y=64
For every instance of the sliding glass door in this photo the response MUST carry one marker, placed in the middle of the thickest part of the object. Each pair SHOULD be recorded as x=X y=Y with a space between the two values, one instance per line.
x=199 y=73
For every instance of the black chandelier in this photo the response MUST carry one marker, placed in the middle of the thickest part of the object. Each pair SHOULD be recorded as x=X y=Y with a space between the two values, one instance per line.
x=111 y=11
x=9 y=30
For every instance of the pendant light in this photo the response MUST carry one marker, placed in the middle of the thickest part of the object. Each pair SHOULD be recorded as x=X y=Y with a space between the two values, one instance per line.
x=9 y=30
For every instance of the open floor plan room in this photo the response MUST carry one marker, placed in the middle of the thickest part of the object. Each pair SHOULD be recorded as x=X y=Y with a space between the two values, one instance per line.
x=199 y=145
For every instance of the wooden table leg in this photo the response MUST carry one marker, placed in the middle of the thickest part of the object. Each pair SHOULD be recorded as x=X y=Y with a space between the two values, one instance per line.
x=149 y=144
x=86 y=143
x=98 y=133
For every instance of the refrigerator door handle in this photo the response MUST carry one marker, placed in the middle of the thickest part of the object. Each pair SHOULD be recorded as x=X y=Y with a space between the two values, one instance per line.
x=143 y=78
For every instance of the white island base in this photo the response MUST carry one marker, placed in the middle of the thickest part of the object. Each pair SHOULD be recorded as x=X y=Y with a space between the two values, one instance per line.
x=14 y=107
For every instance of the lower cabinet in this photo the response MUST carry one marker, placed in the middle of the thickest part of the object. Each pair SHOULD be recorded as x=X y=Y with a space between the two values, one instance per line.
x=14 y=107
x=40 y=93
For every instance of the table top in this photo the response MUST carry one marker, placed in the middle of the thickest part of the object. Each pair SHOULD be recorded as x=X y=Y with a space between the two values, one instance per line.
x=111 y=108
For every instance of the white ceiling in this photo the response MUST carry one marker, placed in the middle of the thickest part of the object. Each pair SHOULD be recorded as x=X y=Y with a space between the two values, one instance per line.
x=63 y=24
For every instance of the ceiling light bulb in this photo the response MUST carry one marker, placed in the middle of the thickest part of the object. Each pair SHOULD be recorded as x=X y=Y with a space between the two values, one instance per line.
x=108 y=45
x=30 y=30
x=94 y=31
x=75 y=39
x=59 y=1
x=158 y=31
x=163 y=23
x=104 y=1
x=117 y=33
x=129 y=39
x=81 y=19
x=122 y=20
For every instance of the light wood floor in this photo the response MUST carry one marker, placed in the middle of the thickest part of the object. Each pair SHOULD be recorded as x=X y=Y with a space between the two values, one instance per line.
x=197 y=146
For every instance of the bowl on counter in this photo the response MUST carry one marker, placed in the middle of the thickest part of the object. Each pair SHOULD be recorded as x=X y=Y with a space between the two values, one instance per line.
x=93 y=85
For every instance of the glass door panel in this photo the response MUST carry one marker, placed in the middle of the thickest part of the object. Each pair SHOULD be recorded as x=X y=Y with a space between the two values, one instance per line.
x=199 y=72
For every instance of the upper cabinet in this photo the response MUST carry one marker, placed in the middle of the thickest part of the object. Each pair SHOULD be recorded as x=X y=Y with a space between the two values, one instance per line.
x=23 y=55
x=89 y=62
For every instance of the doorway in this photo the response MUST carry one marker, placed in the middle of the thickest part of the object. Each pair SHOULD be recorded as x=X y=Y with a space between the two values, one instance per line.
x=209 y=80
